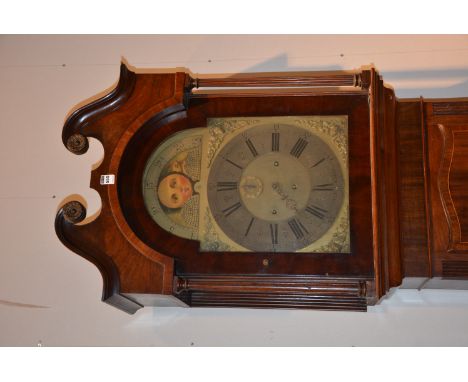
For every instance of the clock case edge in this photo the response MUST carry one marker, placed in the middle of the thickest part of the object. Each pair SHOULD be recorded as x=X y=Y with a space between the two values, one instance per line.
x=105 y=240
x=127 y=268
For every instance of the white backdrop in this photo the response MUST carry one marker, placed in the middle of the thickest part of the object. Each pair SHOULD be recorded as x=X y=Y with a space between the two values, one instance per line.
x=50 y=296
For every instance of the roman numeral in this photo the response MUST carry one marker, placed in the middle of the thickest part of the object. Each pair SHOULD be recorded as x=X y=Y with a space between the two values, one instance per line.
x=324 y=187
x=249 y=226
x=226 y=186
x=298 y=147
x=228 y=211
x=316 y=211
x=275 y=141
x=297 y=228
x=316 y=164
x=234 y=164
x=251 y=147
x=274 y=233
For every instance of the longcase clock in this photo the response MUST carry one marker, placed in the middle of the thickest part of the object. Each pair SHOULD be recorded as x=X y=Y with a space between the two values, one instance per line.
x=274 y=190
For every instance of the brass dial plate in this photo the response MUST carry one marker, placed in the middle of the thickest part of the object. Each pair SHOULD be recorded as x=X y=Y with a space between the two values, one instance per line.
x=276 y=187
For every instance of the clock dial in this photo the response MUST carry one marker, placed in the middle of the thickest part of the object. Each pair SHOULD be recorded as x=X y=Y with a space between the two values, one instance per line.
x=275 y=187
x=171 y=183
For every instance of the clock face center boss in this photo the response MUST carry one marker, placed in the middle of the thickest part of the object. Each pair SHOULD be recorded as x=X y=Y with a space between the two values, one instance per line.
x=266 y=184
x=274 y=187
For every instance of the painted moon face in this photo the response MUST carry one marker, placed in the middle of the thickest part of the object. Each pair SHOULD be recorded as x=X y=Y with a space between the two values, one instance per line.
x=174 y=190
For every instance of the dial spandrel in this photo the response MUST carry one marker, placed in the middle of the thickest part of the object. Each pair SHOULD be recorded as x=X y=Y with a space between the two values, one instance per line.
x=281 y=186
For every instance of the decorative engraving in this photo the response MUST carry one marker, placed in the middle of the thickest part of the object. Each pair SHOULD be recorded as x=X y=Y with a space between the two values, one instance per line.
x=211 y=241
x=218 y=129
x=339 y=241
x=74 y=212
x=335 y=128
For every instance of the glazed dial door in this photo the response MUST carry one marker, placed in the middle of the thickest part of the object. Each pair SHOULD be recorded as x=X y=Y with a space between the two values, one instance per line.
x=275 y=188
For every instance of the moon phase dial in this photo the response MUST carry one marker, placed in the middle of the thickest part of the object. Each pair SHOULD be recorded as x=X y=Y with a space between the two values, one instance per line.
x=275 y=188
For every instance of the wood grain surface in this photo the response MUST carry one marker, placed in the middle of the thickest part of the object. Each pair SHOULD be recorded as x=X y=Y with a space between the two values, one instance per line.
x=408 y=192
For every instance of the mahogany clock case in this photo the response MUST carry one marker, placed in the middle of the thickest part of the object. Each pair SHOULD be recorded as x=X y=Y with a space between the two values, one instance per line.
x=397 y=160
x=186 y=252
